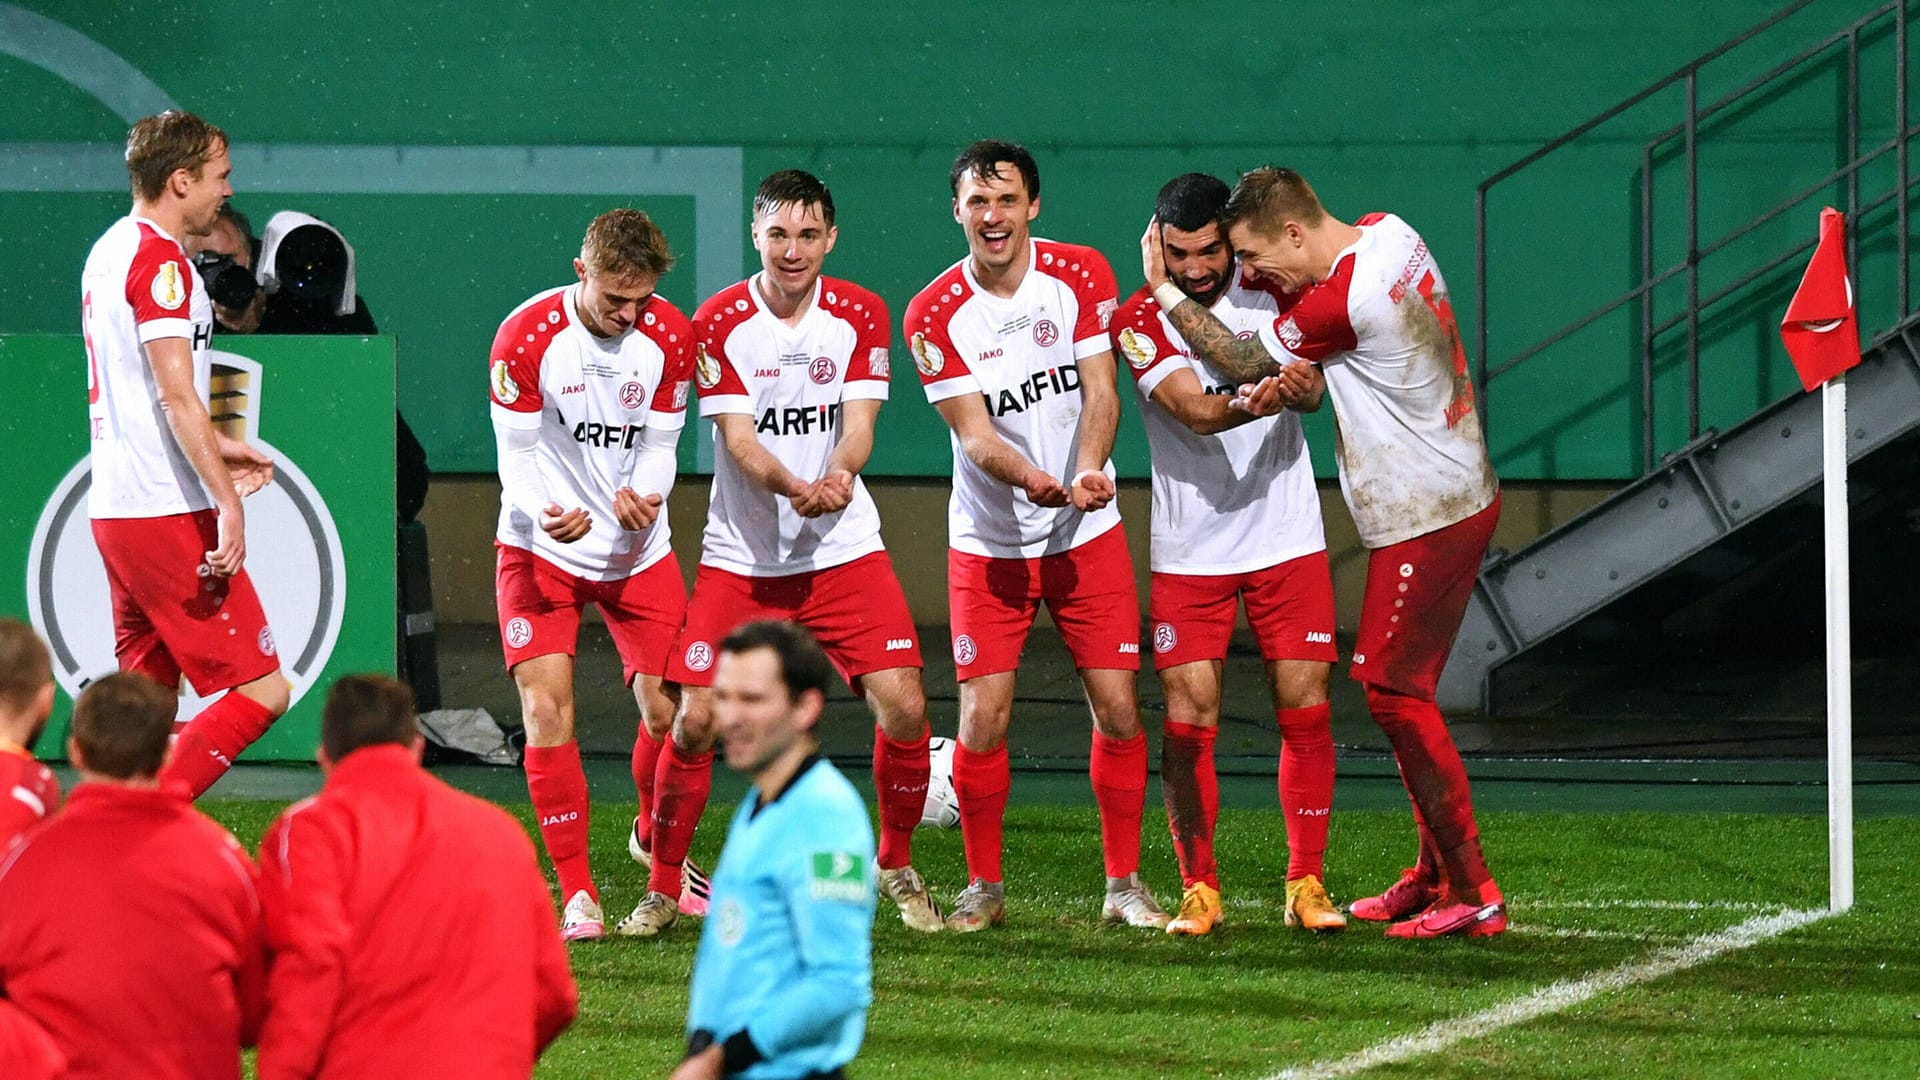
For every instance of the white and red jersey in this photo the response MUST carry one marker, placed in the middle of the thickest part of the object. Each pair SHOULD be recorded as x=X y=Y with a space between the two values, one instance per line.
x=139 y=286
x=589 y=398
x=28 y=791
x=1233 y=502
x=1411 y=452
x=1021 y=354
x=791 y=380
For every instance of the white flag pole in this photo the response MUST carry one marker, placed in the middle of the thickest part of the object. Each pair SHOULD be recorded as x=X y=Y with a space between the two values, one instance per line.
x=1833 y=426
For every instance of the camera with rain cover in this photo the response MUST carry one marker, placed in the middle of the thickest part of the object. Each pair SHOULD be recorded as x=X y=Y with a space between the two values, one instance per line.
x=229 y=284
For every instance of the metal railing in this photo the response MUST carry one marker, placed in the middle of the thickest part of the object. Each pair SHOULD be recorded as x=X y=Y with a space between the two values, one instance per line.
x=1688 y=132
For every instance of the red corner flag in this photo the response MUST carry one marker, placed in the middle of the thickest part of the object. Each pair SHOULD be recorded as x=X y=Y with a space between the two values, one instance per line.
x=1820 y=332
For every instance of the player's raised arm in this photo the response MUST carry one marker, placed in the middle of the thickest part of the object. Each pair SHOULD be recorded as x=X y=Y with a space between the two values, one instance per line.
x=1242 y=360
x=967 y=416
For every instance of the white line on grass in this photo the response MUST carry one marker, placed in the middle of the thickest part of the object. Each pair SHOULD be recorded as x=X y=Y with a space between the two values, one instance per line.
x=1641 y=936
x=1645 y=905
x=1559 y=996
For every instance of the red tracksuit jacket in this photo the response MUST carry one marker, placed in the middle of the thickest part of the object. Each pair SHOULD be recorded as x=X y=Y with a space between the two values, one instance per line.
x=411 y=932
x=28 y=791
x=130 y=936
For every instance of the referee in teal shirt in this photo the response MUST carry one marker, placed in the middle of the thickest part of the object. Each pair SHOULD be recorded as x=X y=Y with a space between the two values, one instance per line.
x=784 y=974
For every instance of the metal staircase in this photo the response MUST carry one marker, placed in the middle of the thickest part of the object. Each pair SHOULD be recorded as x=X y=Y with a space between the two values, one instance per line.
x=1691 y=499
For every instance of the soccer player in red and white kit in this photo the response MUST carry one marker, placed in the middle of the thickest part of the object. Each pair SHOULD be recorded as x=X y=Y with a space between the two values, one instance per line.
x=1011 y=343
x=408 y=924
x=590 y=385
x=28 y=790
x=1236 y=517
x=130 y=937
x=166 y=486
x=1366 y=304
x=792 y=368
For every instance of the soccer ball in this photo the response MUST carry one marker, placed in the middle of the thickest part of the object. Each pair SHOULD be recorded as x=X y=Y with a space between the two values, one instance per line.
x=943 y=806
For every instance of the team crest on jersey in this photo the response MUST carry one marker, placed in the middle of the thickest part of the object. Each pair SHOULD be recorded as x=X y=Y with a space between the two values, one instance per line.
x=1104 y=311
x=1164 y=638
x=265 y=641
x=879 y=363
x=1139 y=349
x=1289 y=333
x=680 y=394
x=927 y=356
x=505 y=390
x=169 y=288
x=705 y=367
x=699 y=656
x=519 y=632
x=963 y=650
x=1045 y=333
x=822 y=370
x=632 y=394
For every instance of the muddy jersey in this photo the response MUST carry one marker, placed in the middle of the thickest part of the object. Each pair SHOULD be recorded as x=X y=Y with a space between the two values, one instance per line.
x=589 y=398
x=1381 y=326
x=792 y=381
x=139 y=286
x=1232 y=502
x=1021 y=355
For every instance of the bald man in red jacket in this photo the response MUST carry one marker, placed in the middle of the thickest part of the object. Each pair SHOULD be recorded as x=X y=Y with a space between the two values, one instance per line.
x=410 y=928
x=129 y=923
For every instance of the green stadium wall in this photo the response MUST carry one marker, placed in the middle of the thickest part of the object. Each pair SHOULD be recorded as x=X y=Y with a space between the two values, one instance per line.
x=1384 y=106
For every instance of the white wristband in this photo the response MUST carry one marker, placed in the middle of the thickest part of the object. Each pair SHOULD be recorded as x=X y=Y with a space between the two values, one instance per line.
x=1168 y=295
x=1082 y=475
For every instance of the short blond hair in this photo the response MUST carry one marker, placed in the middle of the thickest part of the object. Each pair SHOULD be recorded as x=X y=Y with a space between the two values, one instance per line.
x=1268 y=197
x=625 y=243
x=160 y=145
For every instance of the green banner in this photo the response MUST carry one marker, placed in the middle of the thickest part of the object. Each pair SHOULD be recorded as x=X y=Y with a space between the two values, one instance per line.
x=320 y=538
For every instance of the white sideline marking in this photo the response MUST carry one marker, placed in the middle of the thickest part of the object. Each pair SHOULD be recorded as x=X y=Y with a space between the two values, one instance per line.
x=1645 y=905
x=1559 y=996
x=1530 y=930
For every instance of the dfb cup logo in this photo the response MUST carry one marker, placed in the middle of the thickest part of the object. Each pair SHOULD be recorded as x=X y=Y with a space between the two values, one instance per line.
x=821 y=371
x=699 y=656
x=963 y=650
x=1045 y=333
x=632 y=394
x=295 y=559
x=1164 y=639
x=519 y=632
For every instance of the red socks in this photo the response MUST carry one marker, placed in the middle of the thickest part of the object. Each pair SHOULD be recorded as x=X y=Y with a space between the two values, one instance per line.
x=646 y=761
x=1306 y=785
x=1436 y=780
x=1192 y=792
x=981 y=782
x=1119 y=773
x=680 y=788
x=900 y=771
x=205 y=749
x=558 y=787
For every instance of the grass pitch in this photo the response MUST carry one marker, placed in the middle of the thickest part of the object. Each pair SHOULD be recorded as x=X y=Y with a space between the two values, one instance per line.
x=1054 y=994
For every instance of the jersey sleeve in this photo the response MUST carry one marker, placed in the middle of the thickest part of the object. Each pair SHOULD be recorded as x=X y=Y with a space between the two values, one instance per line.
x=667 y=411
x=722 y=389
x=1142 y=340
x=515 y=374
x=1098 y=295
x=870 y=367
x=943 y=373
x=160 y=290
x=1316 y=324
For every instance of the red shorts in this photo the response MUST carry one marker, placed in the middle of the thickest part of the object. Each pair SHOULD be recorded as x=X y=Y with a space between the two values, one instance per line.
x=1088 y=589
x=856 y=610
x=1417 y=593
x=1289 y=606
x=167 y=619
x=539 y=606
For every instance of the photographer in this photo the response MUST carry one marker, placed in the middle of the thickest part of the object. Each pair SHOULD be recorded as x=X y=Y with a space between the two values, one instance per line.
x=225 y=259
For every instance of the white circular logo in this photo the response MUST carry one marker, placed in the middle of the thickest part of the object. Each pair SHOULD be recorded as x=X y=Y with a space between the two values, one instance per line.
x=699 y=656
x=265 y=641
x=963 y=650
x=519 y=632
x=927 y=356
x=1406 y=569
x=632 y=394
x=1164 y=638
x=1045 y=333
